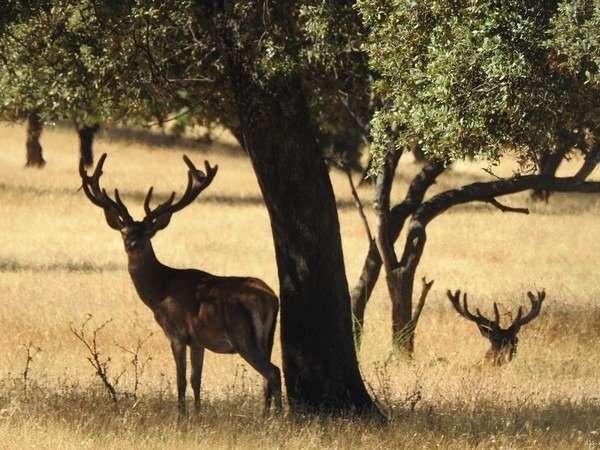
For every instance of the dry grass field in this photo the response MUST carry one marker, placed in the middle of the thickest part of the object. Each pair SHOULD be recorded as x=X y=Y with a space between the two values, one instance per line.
x=59 y=262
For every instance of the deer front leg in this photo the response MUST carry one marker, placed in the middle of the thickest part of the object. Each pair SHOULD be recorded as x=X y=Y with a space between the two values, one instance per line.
x=178 y=349
x=197 y=359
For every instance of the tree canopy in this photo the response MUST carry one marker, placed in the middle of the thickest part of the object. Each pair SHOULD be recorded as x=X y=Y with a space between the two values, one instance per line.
x=110 y=62
x=479 y=78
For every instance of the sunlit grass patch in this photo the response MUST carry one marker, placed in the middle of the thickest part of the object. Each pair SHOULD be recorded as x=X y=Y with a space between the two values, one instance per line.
x=59 y=262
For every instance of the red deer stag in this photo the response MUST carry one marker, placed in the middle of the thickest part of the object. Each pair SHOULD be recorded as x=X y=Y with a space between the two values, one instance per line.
x=194 y=308
x=503 y=341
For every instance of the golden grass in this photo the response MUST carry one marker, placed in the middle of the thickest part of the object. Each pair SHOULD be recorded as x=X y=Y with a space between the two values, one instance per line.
x=59 y=261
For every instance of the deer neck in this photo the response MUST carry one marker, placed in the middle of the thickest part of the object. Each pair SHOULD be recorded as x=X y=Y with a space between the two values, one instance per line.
x=149 y=276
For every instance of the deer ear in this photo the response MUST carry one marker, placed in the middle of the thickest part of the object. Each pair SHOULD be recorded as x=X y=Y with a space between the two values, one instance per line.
x=113 y=220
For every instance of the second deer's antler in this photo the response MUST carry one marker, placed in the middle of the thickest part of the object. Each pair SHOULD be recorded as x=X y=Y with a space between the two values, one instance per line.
x=479 y=319
x=536 y=307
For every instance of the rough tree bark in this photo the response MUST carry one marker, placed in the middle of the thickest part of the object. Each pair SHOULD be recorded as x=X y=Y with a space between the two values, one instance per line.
x=361 y=293
x=86 y=143
x=32 y=145
x=319 y=360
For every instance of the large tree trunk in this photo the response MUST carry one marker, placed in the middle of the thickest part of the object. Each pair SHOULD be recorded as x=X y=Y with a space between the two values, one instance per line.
x=319 y=360
x=33 y=146
x=86 y=143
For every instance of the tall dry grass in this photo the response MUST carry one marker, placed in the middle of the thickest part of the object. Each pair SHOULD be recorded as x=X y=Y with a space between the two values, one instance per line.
x=59 y=262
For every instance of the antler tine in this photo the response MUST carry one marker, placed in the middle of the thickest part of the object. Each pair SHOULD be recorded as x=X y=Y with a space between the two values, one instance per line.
x=536 y=307
x=496 y=314
x=147 y=201
x=519 y=315
x=97 y=195
x=463 y=310
x=122 y=208
x=197 y=182
x=97 y=170
x=455 y=300
x=160 y=209
x=90 y=184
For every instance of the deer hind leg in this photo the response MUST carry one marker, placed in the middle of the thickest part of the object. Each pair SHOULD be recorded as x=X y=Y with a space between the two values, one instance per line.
x=270 y=372
x=244 y=339
x=179 y=350
x=272 y=392
x=197 y=359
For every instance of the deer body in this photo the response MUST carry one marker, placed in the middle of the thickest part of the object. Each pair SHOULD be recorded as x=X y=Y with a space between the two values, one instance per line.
x=194 y=308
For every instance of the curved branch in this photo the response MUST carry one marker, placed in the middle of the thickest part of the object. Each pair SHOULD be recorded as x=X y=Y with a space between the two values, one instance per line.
x=505 y=208
x=358 y=203
x=486 y=191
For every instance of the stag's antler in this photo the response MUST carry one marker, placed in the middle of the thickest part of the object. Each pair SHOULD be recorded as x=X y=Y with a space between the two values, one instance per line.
x=479 y=319
x=98 y=195
x=197 y=182
x=536 y=307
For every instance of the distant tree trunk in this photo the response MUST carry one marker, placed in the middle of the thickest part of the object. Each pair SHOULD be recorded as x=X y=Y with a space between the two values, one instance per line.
x=361 y=293
x=86 y=143
x=33 y=146
x=401 y=305
x=550 y=162
x=319 y=360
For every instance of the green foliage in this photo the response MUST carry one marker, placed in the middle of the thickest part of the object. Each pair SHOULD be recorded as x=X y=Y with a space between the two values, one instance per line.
x=574 y=46
x=462 y=77
x=574 y=36
x=137 y=62
x=48 y=65
x=468 y=78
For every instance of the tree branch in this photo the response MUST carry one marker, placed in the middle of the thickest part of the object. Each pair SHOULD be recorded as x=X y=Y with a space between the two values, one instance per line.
x=424 y=292
x=592 y=158
x=383 y=188
x=485 y=191
x=362 y=125
x=505 y=208
x=358 y=203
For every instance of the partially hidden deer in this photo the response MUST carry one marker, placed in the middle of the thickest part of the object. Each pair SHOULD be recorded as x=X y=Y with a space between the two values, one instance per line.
x=503 y=340
x=194 y=308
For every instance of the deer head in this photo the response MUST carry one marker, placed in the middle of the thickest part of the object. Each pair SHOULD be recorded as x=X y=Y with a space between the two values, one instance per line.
x=137 y=234
x=503 y=340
